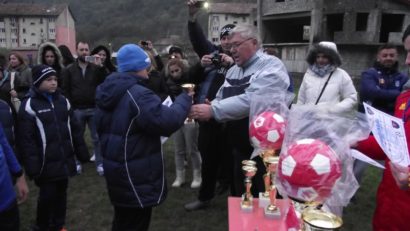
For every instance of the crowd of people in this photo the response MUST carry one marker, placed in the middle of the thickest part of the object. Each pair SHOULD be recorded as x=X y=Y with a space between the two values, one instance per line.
x=44 y=111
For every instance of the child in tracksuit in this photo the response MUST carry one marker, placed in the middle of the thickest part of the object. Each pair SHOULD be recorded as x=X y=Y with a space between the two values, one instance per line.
x=48 y=137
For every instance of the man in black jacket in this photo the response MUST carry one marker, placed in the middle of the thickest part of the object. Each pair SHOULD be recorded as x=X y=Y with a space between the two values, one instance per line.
x=212 y=143
x=80 y=80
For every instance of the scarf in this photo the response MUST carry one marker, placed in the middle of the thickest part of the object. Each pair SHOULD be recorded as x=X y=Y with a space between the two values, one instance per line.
x=322 y=71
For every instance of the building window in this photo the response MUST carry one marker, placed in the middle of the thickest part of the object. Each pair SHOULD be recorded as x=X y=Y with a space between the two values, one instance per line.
x=334 y=23
x=1 y=19
x=13 y=20
x=41 y=20
x=13 y=40
x=361 y=21
x=33 y=34
x=24 y=41
x=390 y=23
x=52 y=30
x=243 y=19
x=41 y=30
x=280 y=0
x=13 y=30
x=24 y=30
x=33 y=44
x=32 y=23
x=3 y=30
x=2 y=40
x=226 y=17
x=235 y=22
x=51 y=19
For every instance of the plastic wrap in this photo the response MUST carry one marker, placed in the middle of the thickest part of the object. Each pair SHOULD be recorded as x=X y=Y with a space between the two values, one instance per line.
x=268 y=112
x=315 y=163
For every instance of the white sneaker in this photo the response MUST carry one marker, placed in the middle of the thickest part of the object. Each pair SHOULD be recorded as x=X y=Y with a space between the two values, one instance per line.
x=79 y=168
x=92 y=159
x=100 y=170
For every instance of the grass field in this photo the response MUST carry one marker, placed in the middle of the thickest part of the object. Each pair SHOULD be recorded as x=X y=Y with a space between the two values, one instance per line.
x=89 y=208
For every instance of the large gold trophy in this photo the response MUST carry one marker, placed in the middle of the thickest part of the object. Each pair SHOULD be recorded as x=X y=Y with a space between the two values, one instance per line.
x=249 y=169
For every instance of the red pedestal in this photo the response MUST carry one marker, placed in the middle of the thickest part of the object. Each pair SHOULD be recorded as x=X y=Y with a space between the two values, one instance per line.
x=255 y=220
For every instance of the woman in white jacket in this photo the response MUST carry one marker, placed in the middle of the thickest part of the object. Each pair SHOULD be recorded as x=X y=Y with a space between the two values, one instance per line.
x=325 y=84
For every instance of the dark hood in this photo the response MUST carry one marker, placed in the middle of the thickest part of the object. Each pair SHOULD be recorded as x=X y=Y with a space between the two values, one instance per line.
x=110 y=92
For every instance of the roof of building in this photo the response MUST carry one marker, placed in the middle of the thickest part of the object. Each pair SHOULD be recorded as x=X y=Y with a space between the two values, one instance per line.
x=231 y=8
x=31 y=9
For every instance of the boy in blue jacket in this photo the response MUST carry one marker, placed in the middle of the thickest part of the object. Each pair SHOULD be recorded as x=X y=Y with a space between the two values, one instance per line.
x=130 y=121
x=48 y=137
x=9 y=166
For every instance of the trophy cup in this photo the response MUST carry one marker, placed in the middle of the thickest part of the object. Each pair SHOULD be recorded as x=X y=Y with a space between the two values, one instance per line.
x=318 y=220
x=272 y=211
x=264 y=196
x=247 y=198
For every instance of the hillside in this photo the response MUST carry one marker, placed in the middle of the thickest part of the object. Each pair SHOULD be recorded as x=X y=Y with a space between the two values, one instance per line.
x=116 y=22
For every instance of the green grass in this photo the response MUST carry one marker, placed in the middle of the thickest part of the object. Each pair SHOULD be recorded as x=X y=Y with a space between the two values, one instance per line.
x=89 y=207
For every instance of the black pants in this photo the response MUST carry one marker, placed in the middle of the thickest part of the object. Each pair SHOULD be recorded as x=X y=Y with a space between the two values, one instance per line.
x=131 y=219
x=9 y=218
x=215 y=155
x=52 y=205
x=238 y=138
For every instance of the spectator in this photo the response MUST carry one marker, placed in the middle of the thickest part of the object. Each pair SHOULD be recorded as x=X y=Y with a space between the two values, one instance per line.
x=18 y=77
x=130 y=120
x=186 y=138
x=49 y=54
x=80 y=81
x=381 y=84
x=48 y=138
x=325 y=84
x=66 y=54
x=212 y=141
x=252 y=73
x=105 y=57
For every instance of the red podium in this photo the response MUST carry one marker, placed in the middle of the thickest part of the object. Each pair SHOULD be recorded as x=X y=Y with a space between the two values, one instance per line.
x=255 y=220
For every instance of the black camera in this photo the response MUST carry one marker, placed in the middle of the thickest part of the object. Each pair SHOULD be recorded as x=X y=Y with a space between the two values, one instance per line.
x=216 y=59
x=144 y=43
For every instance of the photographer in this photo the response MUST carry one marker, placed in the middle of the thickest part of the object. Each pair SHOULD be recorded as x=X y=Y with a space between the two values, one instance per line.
x=212 y=143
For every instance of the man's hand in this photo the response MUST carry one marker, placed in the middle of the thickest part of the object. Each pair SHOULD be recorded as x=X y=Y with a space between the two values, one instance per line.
x=226 y=60
x=192 y=9
x=206 y=60
x=201 y=112
x=22 y=189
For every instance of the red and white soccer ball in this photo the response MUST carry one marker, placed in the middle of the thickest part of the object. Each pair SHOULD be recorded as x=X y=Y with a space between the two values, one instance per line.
x=267 y=130
x=309 y=170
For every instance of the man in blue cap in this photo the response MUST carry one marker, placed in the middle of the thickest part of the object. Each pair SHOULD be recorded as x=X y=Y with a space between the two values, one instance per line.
x=130 y=120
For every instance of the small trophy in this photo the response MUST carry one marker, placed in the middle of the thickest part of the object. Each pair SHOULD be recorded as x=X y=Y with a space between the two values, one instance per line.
x=272 y=211
x=315 y=219
x=247 y=198
x=189 y=88
x=267 y=161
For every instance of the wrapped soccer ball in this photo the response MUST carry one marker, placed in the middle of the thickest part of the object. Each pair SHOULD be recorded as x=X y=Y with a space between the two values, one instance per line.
x=309 y=170
x=267 y=130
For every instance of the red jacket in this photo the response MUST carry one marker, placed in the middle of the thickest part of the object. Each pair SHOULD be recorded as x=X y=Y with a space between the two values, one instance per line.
x=393 y=204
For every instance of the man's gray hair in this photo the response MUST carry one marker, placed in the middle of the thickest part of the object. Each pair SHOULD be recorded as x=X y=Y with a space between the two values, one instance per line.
x=246 y=31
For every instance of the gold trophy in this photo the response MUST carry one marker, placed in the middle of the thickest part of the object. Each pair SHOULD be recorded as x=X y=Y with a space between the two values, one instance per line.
x=318 y=220
x=247 y=198
x=264 y=196
x=189 y=88
x=271 y=211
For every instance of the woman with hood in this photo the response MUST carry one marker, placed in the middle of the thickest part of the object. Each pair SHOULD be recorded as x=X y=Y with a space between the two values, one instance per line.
x=49 y=54
x=326 y=84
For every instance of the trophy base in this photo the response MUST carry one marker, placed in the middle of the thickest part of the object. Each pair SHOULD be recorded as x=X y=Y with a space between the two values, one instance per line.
x=263 y=201
x=272 y=214
x=247 y=208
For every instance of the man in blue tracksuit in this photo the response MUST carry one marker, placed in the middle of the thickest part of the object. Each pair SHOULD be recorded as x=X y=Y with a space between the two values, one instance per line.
x=130 y=120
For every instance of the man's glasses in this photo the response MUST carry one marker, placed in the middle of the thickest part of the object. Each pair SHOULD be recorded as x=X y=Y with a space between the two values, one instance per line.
x=237 y=45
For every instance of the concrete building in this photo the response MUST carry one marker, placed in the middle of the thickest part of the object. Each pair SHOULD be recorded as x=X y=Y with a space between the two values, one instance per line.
x=221 y=14
x=357 y=27
x=24 y=26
